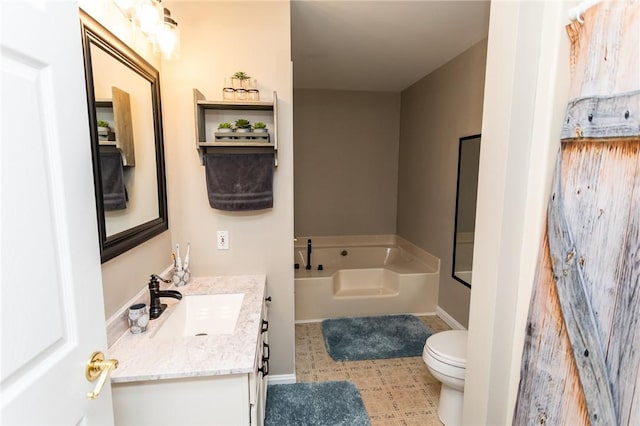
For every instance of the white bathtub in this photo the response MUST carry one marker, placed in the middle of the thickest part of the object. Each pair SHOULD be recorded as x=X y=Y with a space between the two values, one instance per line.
x=364 y=276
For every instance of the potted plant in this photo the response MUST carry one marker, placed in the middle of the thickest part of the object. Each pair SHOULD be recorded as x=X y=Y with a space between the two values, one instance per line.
x=243 y=126
x=238 y=79
x=103 y=129
x=259 y=127
x=225 y=128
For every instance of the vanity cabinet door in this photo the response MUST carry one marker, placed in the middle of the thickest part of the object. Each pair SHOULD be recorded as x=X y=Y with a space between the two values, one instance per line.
x=258 y=379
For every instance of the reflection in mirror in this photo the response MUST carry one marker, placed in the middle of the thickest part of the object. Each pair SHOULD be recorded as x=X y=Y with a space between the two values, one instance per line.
x=468 y=163
x=123 y=95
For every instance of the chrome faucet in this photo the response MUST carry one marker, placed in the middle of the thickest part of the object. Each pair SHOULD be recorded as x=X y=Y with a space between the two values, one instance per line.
x=155 y=307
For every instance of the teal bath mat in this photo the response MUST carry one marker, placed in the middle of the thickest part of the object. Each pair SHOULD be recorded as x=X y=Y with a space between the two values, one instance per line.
x=315 y=404
x=356 y=339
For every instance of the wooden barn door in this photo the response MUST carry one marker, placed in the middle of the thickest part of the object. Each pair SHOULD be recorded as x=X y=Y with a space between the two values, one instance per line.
x=581 y=360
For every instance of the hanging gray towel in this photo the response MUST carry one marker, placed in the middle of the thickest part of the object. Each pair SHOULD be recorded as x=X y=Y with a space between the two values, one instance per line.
x=114 y=193
x=239 y=182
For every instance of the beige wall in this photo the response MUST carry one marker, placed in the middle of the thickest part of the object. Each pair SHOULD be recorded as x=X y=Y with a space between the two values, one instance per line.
x=526 y=94
x=219 y=39
x=346 y=162
x=435 y=113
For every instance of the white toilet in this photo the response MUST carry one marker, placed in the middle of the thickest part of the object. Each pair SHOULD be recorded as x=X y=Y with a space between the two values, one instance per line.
x=445 y=354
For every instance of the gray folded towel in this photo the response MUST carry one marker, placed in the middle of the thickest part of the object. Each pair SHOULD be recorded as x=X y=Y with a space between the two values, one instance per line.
x=239 y=182
x=114 y=193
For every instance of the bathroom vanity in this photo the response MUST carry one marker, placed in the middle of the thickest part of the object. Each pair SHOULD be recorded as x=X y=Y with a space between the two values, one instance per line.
x=213 y=379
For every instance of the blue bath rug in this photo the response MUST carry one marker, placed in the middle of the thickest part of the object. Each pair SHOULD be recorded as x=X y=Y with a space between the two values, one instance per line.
x=392 y=336
x=315 y=404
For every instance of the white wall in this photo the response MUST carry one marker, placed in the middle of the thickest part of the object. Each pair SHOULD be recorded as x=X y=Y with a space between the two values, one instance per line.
x=526 y=92
x=219 y=39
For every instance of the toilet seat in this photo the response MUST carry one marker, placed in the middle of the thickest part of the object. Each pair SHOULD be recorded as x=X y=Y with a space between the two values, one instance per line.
x=438 y=367
x=448 y=347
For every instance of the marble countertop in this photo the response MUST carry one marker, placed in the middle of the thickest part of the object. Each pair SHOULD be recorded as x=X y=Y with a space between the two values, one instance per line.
x=143 y=357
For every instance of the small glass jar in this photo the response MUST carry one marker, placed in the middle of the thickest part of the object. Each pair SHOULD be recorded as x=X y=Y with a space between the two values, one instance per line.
x=249 y=83
x=241 y=95
x=253 y=95
x=228 y=94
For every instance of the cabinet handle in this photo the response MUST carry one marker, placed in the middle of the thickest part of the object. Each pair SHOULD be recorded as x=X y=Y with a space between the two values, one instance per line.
x=265 y=367
x=265 y=326
x=265 y=349
x=268 y=299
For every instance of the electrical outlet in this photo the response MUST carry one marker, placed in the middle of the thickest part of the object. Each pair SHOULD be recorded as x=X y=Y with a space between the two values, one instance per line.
x=222 y=239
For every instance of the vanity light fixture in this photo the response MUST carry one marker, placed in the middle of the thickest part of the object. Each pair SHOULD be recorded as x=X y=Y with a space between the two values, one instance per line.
x=155 y=22
x=168 y=37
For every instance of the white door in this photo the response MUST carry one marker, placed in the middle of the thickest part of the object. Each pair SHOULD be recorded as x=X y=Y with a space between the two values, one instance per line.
x=52 y=308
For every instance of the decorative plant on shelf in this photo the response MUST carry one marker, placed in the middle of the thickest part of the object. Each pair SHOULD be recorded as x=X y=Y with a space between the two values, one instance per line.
x=241 y=80
x=103 y=129
x=259 y=127
x=238 y=80
x=241 y=75
x=243 y=126
x=225 y=127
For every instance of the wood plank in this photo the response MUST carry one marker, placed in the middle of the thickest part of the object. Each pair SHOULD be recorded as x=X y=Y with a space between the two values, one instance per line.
x=601 y=195
x=549 y=390
x=577 y=312
x=124 y=125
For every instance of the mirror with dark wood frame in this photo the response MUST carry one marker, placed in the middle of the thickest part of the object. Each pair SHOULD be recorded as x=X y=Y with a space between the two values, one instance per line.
x=465 y=218
x=123 y=98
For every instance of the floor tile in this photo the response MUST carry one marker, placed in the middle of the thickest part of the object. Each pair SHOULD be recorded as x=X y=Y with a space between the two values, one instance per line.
x=397 y=391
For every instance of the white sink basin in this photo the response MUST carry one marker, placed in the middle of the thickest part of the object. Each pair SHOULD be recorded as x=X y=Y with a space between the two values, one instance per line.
x=201 y=315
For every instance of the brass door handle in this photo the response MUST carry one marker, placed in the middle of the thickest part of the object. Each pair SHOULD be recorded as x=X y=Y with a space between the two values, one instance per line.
x=97 y=367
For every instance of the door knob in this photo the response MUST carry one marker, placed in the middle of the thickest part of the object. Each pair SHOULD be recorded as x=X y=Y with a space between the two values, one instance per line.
x=98 y=368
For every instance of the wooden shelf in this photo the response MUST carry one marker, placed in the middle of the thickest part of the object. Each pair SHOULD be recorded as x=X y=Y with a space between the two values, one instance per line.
x=232 y=105
x=120 y=107
x=208 y=140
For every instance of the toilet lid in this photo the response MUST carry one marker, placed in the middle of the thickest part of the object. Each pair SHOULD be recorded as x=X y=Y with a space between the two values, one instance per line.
x=449 y=347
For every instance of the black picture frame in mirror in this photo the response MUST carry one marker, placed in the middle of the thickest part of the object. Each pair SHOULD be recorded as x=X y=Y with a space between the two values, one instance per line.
x=465 y=213
x=95 y=36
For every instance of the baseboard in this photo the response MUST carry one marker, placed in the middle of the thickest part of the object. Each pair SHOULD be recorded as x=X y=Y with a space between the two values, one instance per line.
x=449 y=319
x=282 y=379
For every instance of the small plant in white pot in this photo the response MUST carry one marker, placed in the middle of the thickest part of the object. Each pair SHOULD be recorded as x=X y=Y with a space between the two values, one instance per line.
x=243 y=126
x=103 y=129
x=225 y=128
x=259 y=127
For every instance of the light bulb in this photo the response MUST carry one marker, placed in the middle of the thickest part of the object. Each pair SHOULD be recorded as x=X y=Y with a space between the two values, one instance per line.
x=168 y=37
x=149 y=14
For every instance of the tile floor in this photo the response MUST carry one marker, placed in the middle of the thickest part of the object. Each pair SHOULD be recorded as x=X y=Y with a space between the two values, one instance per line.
x=396 y=391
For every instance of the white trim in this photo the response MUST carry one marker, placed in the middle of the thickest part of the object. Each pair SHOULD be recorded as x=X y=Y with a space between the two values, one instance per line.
x=282 y=379
x=449 y=319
